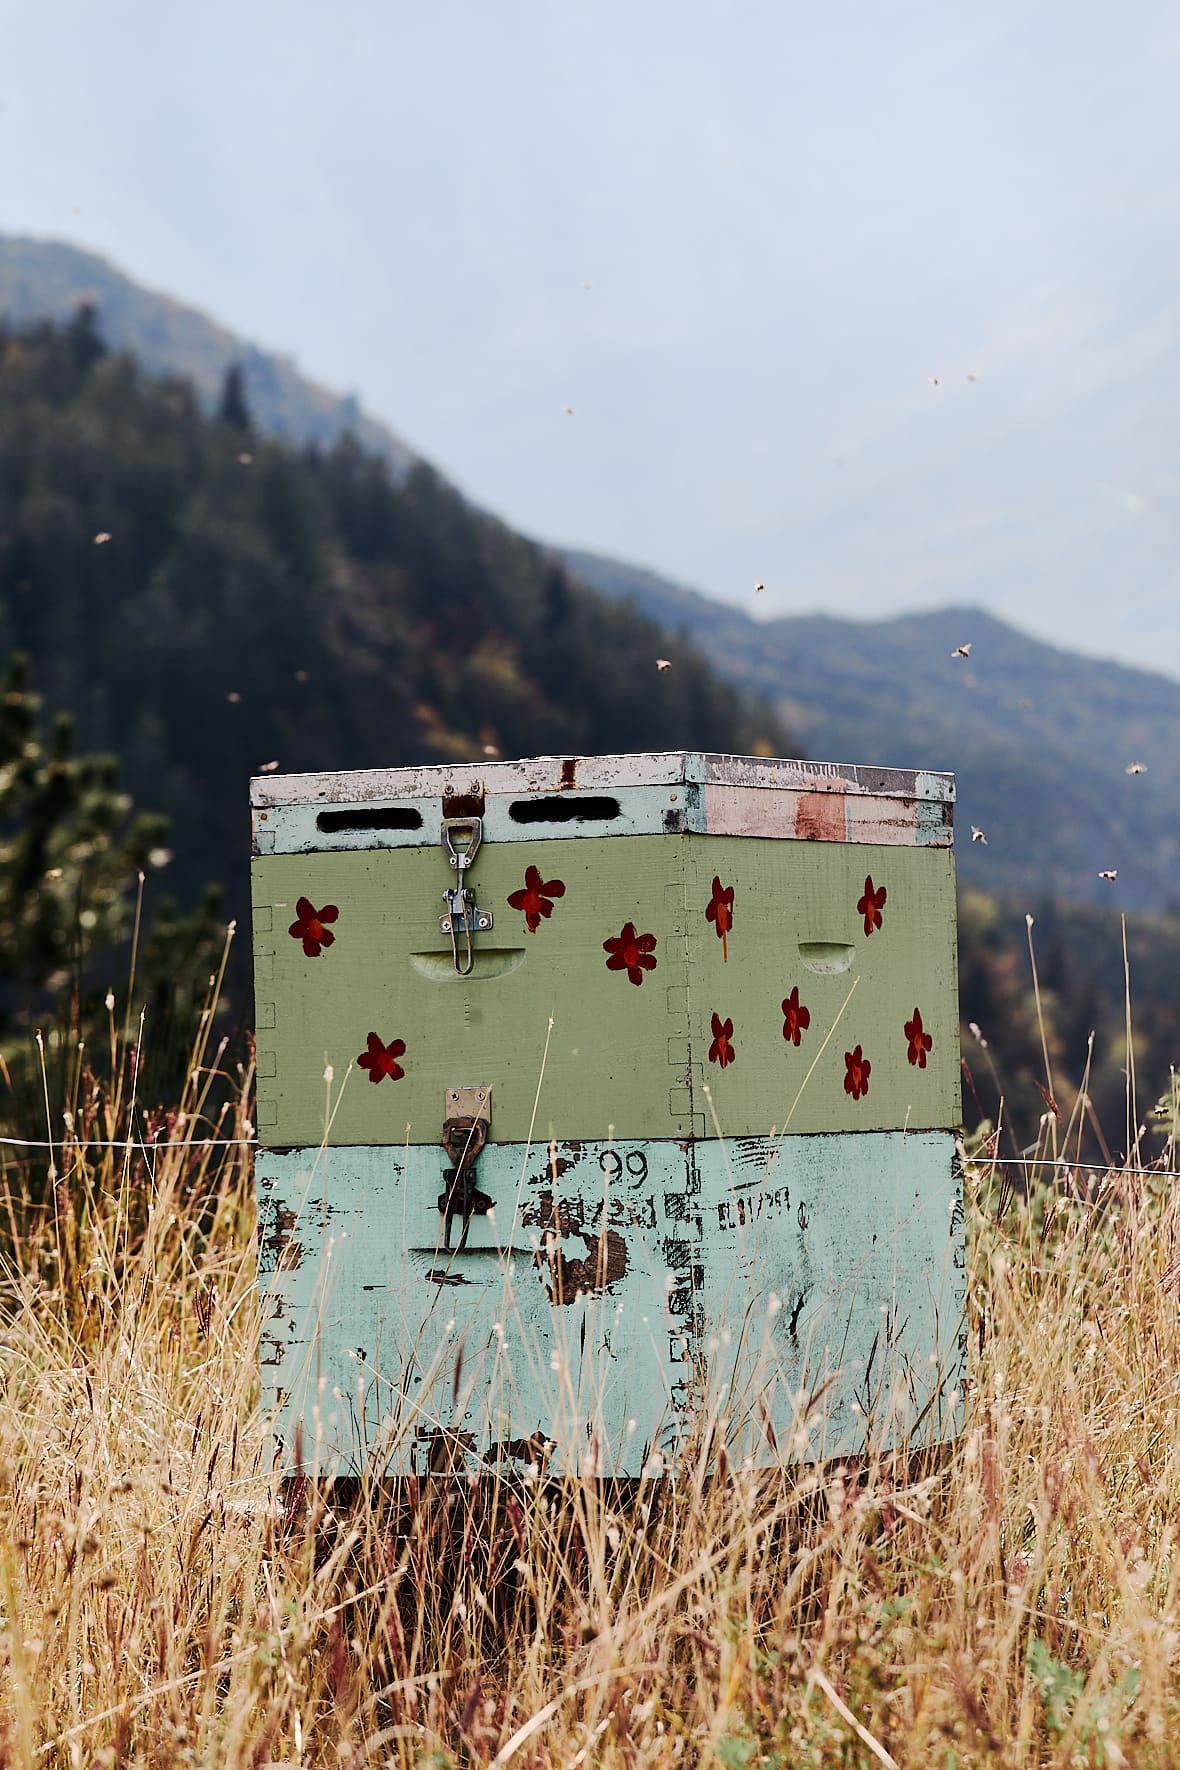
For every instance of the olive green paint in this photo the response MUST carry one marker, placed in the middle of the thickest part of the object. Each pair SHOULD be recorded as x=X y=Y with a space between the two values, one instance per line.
x=632 y=1058
x=796 y=925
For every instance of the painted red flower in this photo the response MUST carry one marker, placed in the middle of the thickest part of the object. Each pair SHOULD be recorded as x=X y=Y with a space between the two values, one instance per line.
x=310 y=926
x=719 y=911
x=858 y=1067
x=721 y=1050
x=871 y=904
x=631 y=952
x=919 y=1038
x=382 y=1060
x=535 y=897
x=796 y=1018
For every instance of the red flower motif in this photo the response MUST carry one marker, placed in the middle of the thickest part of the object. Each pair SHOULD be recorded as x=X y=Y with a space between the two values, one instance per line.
x=721 y=1051
x=631 y=952
x=871 y=904
x=796 y=1018
x=719 y=911
x=856 y=1081
x=919 y=1038
x=309 y=926
x=382 y=1060
x=534 y=897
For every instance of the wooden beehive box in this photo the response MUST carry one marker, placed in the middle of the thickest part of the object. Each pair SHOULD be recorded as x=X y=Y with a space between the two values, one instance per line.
x=600 y=1096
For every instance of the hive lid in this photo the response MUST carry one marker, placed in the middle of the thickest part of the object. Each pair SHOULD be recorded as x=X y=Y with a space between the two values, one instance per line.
x=680 y=792
x=558 y=774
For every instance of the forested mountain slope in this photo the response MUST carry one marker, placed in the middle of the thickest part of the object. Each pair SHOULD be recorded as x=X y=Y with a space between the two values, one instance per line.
x=1039 y=738
x=49 y=280
x=208 y=602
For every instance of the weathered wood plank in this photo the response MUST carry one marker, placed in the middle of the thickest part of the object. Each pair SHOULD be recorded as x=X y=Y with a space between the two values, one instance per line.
x=552 y=774
x=635 y=1056
x=620 y=1295
x=777 y=813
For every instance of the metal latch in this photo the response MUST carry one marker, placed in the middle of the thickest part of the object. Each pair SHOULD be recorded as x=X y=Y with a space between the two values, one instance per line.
x=468 y=1117
x=464 y=918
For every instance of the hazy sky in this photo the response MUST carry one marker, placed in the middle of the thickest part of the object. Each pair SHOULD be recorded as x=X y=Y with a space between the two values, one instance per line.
x=739 y=240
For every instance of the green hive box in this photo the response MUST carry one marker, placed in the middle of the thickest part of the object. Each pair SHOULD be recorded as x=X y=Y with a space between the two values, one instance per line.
x=601 y=1100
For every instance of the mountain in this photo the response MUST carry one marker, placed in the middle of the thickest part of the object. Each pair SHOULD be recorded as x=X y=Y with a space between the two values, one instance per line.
x=47 y=280
x=1038 y=736
x=1040 y=739
x=208 y=603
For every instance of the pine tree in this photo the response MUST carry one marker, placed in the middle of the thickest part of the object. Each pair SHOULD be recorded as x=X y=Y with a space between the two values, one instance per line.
x=72 y=850
x=233 y=408
x=69 y=846
x=83 y=338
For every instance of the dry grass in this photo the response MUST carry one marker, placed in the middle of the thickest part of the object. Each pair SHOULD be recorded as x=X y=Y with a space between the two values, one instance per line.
x=163 y=1601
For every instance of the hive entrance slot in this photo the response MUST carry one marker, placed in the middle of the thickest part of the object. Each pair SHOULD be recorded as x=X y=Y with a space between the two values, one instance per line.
x=490 y=962
x=827 y=958
x=382 y=817
x=565 y=808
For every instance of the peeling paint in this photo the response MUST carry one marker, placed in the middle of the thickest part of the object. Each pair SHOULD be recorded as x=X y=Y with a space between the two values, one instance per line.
x=659 y=1257
x=440 y=1451
x=627 y=1276
x=536 y=1450
x=278 y=1251
x=605 y=1264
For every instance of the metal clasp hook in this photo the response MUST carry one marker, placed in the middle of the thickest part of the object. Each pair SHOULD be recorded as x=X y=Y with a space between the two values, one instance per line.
x=463 y=915
x=464 y=1133
x=462 y=857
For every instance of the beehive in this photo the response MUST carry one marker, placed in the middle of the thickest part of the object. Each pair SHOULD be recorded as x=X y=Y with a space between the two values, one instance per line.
x=601 y=1099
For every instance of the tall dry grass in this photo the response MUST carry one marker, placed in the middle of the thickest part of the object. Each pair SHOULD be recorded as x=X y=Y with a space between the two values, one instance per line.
x=163 y=1600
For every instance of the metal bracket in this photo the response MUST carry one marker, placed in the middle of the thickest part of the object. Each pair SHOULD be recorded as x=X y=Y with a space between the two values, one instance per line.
x=467 y=1120
x=461 y=918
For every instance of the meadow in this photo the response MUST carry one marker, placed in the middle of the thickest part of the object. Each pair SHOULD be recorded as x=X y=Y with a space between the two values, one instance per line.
x=1010 y=1599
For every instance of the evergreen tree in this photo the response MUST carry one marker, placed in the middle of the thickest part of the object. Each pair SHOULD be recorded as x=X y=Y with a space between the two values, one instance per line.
x=69 y=844
x=72 y=850
x=83 y=338
x=201 y=620
x=232 y=408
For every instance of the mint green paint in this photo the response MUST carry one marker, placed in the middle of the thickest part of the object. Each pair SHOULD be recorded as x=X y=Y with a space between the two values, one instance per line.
x=833 y=1259
x=642 y=810
x=754 y=1271
x=621 y=1056
x=365 y=1308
